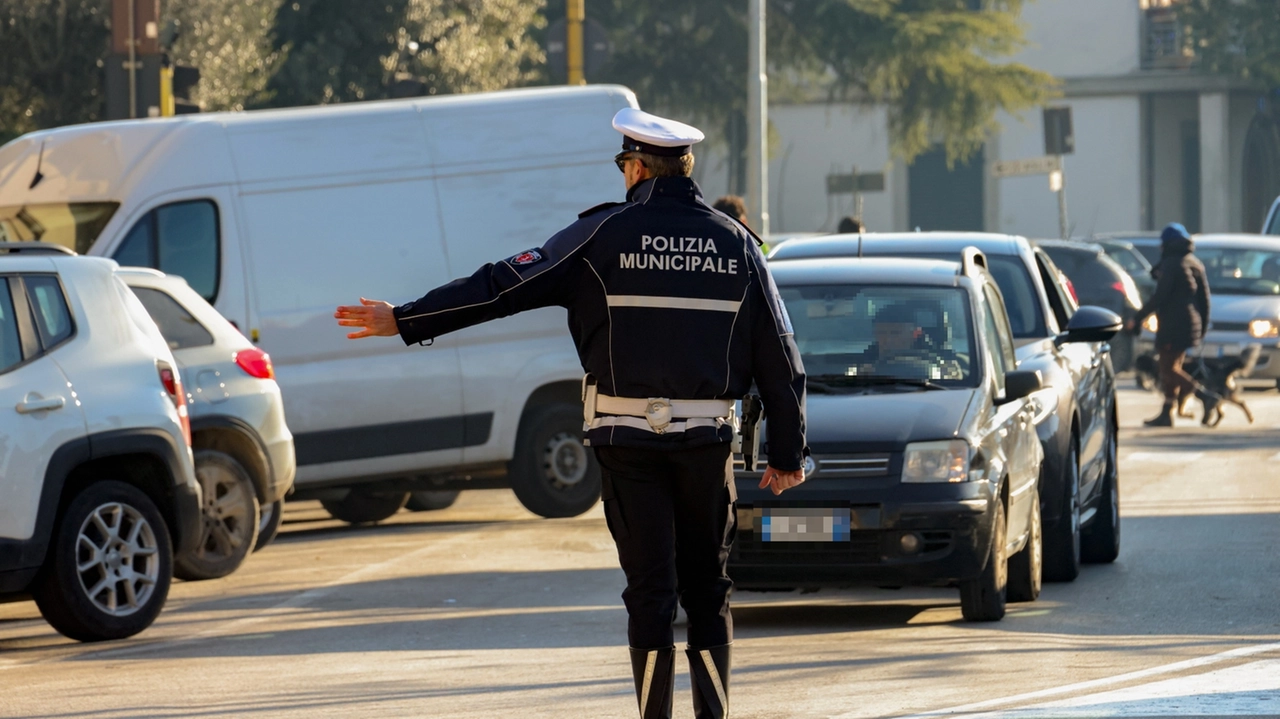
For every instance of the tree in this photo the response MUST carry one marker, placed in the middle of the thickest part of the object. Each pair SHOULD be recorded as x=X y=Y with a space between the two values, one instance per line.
x=934 y=63
x=1236 y=37
x=51 y=60
x=228 y=40
x=346 y=50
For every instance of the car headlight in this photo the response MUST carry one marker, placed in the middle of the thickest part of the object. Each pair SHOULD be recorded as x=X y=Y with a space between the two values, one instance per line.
x=1151 y=324
x=945 y=460
x=1264 y=328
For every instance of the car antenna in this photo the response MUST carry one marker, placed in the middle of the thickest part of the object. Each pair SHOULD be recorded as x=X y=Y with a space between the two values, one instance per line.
x=39 y=162
x=859 y=245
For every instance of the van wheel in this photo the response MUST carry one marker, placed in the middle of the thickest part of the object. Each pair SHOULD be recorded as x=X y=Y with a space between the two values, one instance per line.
x=108 y=572
x=229 y=519
x=269 y=523
x=983 y=599
x=361 y=506
x=1025 y=567
x=429 y=500
x=552 y=473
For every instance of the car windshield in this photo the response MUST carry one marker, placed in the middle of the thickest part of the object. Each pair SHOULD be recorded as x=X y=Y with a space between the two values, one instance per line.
x=73 y=225
x=1130 y=260
x=1021 y=301
x=1241 y=271
x=873 y=335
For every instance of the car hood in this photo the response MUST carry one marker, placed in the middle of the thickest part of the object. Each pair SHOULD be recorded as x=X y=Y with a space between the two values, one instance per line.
x=1242 y=308
x=884 y=421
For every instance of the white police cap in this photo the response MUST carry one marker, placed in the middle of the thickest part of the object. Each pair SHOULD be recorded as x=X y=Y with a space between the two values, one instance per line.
x=653 y=135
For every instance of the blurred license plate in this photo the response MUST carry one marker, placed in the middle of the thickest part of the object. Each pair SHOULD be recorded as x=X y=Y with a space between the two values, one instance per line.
x=825 y=524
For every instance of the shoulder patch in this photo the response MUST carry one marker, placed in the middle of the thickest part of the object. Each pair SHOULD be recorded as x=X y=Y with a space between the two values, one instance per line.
x=598 y=208
x=528 y=257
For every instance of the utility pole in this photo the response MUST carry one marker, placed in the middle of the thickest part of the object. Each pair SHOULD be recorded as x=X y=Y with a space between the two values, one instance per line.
x=133 y=59
x=757 y=120
x=575 y=13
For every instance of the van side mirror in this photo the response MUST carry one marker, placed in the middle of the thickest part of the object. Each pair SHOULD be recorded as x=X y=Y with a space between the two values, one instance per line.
x=1090 y=324
x=1021 y=383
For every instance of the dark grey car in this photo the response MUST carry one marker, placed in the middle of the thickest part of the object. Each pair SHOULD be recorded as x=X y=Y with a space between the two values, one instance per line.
x=925 y=457
x=1079 y=482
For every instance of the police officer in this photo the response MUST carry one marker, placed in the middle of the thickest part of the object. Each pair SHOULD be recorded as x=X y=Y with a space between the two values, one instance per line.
x=674 y=316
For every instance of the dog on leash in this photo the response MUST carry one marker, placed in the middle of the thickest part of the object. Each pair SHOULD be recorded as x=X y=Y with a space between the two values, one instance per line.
x=1218 y=375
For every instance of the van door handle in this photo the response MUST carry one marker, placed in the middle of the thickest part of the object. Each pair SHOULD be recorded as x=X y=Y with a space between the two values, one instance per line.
x=35 y=403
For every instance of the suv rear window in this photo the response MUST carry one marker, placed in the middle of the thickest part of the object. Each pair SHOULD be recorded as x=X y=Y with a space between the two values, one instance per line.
x=49 y=305
x=10 y=345
x=179 y=328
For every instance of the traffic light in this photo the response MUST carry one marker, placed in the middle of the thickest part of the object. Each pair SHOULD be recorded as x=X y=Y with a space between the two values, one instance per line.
x=1059 y=139
x=185 y=78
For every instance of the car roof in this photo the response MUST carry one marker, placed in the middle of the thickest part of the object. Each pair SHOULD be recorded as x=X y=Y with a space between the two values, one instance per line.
x=1240 y=240
x=1070 y=245
x=867 y=271
x=1128 y=236
x=45 y=261
x=875 y=242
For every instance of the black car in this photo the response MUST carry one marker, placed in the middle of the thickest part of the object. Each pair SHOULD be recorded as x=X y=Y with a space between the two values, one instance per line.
x=925 y=456
x=1079 y=480
x=1100 y=281
x=1146 y=243
x=1133 y=262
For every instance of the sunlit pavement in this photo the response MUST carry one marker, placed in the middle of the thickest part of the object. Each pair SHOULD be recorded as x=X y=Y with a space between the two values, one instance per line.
x=483 y=610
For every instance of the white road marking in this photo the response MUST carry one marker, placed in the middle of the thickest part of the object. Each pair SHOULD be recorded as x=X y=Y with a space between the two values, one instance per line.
x=1168 y=457
x=1095 y=683
x=1247 y=690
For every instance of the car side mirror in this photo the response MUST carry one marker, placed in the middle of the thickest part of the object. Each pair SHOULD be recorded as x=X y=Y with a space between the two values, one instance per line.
x=1021 y=383
x=1090 y=324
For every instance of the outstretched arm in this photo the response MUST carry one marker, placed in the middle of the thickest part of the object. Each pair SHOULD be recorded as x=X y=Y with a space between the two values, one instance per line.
x=378 y=319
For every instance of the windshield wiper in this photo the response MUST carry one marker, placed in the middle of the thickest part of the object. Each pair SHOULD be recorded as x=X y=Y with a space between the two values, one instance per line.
x=827 y=381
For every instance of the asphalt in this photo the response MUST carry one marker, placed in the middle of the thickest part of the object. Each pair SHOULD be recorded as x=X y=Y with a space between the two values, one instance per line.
x=484 y=610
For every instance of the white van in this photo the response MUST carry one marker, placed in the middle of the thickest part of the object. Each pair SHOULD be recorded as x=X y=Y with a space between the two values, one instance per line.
x=278 y=216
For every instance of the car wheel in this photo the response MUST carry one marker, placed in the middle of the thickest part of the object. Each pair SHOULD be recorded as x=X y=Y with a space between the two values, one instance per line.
x=983 y=599
x=1026 y=567
x=1062 y=538
x=269 y=524
x=361 y=506
x=108 y=571
x=553 y=474
x=429 y=500
x=229 y=519
x=1100 y=541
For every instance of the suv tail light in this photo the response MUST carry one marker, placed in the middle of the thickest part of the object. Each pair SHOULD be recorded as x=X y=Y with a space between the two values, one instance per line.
x=256 y=363
x=173 y=385
x=1071 y=290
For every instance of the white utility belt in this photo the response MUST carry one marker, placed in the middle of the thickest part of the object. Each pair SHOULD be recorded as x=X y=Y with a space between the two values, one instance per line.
x=655 y=414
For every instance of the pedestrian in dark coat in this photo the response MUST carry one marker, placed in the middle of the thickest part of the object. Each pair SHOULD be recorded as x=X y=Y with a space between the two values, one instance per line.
x=1181 y=306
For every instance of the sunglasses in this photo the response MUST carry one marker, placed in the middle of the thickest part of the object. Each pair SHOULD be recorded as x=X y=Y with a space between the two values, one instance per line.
x=620 y=160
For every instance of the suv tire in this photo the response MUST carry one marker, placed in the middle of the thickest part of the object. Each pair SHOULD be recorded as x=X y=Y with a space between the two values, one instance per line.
x=269 y=523
x=429 y=500
x=362 y=506
x=982 y=599
x=111 y=539
x=229 y=519
x=1027 y=566
x=553 y=474
x=1062 y=539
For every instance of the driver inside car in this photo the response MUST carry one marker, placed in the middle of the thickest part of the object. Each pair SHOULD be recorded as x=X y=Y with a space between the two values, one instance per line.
x=903 y=348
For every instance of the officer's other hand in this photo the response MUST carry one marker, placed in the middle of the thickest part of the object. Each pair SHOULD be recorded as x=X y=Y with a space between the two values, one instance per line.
x=376 y=317
x=779 y=481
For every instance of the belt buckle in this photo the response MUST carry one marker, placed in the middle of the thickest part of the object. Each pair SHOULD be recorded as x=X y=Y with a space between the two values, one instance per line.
x=658 y=414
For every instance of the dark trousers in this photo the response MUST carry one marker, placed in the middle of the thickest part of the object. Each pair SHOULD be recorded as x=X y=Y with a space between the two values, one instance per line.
x=671 y=514
x=1174 y=381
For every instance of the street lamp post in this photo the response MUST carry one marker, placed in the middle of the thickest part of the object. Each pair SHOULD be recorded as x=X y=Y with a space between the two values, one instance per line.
x=757 y=120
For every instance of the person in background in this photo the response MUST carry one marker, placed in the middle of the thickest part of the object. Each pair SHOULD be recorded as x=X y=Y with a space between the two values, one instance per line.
x=736 y=207
x=1181 y=306
x=850 y=225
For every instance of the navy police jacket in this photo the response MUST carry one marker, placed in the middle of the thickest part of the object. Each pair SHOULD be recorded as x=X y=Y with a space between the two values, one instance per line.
x=666 y=298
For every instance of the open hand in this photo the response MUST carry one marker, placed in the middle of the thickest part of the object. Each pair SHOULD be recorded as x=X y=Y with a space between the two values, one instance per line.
x=375 y=316
x=779 y=481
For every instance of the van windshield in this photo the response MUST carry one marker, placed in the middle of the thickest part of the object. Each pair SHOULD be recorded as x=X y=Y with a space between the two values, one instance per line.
x=74 y=225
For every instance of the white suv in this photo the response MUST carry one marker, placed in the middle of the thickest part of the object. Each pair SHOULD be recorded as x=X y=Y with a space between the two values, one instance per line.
x=96 y=469
x=243 y=448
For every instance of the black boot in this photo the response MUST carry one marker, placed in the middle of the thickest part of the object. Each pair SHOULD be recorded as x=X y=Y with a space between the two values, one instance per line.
x=709 y=675
x=655 y=674
x=1164 y=419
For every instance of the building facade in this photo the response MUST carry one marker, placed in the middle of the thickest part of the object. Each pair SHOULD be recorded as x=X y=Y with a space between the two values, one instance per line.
x=1156 y=141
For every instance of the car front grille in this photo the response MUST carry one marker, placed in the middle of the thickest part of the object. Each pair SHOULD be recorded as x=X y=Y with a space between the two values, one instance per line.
x=839 y=466
x=1229 y=326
